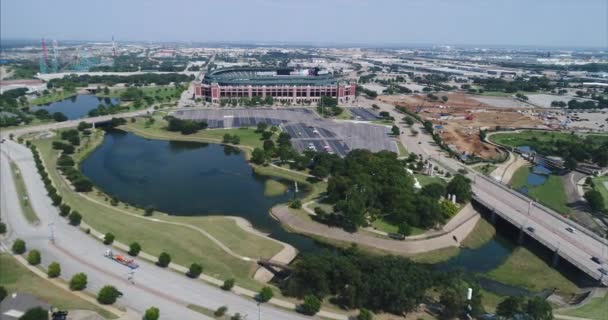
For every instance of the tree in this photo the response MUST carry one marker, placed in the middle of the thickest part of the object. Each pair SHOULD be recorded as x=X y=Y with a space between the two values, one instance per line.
x=163 y=260
x=2 y=228
x=54 y=270
x=261 y=127
x=134 y=249
x=33 y=257
x=311 y=305
x=3 y=293
x=108 y=238
x=444 y=98
x=365 y=314
x=433 y=190
x=195 y=270
x=461 y=187
x=108 y=295
x=59 y=117
x=106 y=91
x=265 y=294
x=64 y=210
x=258 y=156
x=295 y=204
x=404 y=229
x=236 y=316
x=148 y=211
x=395 y=131
x=228 y=284
x=152 y=313
x=408 y=120
x=595 y=200
x=510 y=307
x=78 y=281
x=37 y=313
x=269 y=146
x=82 y=184
x=75 y=218
x=220 y=312
x=19 y=247
x=538 y=308
x=570 y=162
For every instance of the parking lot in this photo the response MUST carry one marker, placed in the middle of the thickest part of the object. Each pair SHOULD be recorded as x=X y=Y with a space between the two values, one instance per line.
x=308 y=131
x=364 y=114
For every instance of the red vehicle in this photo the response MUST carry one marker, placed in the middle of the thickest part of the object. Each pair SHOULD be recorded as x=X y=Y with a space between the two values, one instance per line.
x=121 y=259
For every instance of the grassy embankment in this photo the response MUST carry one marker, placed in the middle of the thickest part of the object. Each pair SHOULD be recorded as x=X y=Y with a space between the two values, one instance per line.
x=596 y=308
x=26 y=206
x=601 y=187
x=485 y=169
x=16 y=278
x=274 y=188
x=550 y=193
x=184 y=244
x=52 y=97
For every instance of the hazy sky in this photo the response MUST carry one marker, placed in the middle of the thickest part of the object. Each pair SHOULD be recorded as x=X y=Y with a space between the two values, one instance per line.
x=489 y=22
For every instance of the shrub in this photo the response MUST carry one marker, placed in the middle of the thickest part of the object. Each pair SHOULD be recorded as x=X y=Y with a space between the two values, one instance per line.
x=228 y=284
x=311 y=305
x=56 y=199
x=108 y=295
x=75 y=218
x=37 y=313
x=2 y=228
x=148 y=211
x=33 y=257
x=265 y=294
x=195 y=270
x=108 y=238
x=19 y=247
x=220 y=312
x=64 y=210
x=365 y=314
x=54 y=270
x=163 y=260
x=134 y=249
x=78 y=281
x=296 y=204
x=152 y=314
x=236 y=316
x=3 y=293
x=82 y=184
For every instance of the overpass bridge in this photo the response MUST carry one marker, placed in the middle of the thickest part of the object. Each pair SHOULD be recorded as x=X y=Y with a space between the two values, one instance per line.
x=546 y=226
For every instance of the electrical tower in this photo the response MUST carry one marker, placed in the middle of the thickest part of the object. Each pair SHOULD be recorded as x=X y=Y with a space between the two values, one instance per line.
x=82 y=63
x=44 y=63
x=55 y=61
x=113 y=47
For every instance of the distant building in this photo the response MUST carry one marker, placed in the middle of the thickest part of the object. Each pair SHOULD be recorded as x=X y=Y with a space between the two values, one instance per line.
x=288 y=84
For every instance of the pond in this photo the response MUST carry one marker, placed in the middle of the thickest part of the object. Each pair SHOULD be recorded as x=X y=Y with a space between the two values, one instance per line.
x=536 y=177
x=187 y=178
x=77 y=106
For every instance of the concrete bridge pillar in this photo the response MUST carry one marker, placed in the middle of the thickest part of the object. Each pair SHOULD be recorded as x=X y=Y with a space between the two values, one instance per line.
x=555 y=259
x=520 y=238
x=493 y=217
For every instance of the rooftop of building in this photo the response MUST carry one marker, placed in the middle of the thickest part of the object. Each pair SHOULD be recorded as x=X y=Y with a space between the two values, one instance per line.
x=269 y=76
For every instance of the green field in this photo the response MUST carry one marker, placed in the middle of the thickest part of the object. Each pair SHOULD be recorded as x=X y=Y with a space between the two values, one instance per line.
x=524 y=269
x=485 y=168
x=596 y=308
x=52 y=97
x=184 y=244
x=16 y=278
x=601 y=187
x=424 y=179
x=26 y=206
x=551 y=193
x=383 y=225
x=537 y=138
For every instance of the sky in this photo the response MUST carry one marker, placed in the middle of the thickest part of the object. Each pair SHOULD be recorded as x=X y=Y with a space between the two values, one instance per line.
x=540 y=23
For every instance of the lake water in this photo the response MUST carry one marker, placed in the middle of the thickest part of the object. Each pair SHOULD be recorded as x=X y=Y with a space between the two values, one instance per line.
x=189 y=178
x=77 y=106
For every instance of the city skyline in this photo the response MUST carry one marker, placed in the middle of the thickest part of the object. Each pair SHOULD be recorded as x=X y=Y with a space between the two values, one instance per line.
x=392 y=23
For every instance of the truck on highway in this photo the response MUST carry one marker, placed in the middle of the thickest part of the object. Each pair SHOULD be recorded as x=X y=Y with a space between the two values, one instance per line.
x=121 y=259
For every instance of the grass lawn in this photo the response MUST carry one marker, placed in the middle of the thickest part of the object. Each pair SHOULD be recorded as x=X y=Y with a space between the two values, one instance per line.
x=435 y=256
x=401 y=149
x=483 y=232
x=383 y=225
x=524 y=269
x=599 y=185
x=532 y=138
x=28 y=211
x=185 y=245
x=486 y=168
x=16 y=278
x=424 y=179
x=274 y=188
x=596 y=308
x=551 y=193
x=156 y=130
x=51 y=97
x=345 y=115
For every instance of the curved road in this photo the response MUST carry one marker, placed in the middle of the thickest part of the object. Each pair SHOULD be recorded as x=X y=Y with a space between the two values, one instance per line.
x=78 y=252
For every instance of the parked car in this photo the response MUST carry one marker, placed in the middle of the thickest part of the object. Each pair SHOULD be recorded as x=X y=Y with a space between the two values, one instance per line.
x=571 y=230
x=596 y=260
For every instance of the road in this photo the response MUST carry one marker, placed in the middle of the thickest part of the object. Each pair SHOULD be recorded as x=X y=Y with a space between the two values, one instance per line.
x=78 y=252
x=549 y=227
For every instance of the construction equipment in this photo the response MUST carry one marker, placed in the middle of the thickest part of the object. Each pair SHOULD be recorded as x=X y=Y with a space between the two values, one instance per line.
x=121 y=259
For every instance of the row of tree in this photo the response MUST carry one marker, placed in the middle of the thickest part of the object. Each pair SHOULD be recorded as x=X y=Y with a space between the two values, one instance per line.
x=74 y=80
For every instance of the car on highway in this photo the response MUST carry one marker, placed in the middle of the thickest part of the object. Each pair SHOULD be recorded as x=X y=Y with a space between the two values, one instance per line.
x=603 y=271
x=531 y=229
x=596 y=260
x=571 y=230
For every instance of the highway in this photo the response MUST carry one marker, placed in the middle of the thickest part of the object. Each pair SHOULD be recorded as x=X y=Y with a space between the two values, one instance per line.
x=78 y=252
x=549 y=227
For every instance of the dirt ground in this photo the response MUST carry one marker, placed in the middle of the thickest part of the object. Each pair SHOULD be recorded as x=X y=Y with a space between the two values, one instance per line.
x=461 y=118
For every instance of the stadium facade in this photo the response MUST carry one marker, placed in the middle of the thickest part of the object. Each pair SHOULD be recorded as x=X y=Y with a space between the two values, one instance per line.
x=286 y=85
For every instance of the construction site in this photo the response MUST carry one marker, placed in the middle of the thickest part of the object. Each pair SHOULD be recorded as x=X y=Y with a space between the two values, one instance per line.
x=460 y=119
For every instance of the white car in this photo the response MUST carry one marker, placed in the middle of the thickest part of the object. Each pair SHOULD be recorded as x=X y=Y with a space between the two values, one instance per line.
x=571 y=230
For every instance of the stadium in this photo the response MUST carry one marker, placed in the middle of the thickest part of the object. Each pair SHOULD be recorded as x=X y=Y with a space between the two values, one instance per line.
x=296 y=86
